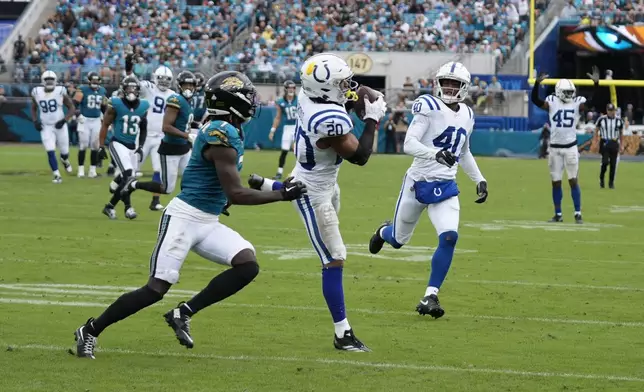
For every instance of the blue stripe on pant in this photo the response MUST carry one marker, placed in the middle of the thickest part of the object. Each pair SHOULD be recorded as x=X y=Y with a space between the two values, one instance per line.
x=312 y=229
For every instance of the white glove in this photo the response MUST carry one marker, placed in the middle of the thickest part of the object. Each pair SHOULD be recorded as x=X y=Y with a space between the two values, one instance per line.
x=81 y=119
x=192 y=137
x=375 y=110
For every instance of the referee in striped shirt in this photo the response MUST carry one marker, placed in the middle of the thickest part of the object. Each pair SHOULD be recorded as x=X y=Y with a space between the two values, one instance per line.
x=610 y=131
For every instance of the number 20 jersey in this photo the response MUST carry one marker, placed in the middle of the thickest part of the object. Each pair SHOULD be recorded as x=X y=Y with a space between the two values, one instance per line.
x=563 y=118
x=50 y=103
x=318 y=167
x=157 y=100
x=444 y=129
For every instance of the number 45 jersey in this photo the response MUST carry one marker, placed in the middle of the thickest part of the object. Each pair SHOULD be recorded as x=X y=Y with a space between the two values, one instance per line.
x=318 y=167
x=440 y=128
x=563 y=118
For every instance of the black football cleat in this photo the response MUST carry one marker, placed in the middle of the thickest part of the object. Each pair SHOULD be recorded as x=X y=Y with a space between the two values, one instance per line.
x=349 y=342
x=430 y=305
x=109 y=211
x=376 y=242
x=181 y=326
x=255 y=181
x=601 y=184
x=556 y=219
x=578 y=219
x=611 y=186
x=85 y=342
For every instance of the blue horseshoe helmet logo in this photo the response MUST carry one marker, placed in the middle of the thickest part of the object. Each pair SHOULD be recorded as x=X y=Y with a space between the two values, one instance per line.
x=328 y=74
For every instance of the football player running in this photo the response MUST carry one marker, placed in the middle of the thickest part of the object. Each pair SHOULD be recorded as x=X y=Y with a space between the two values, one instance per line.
x=50 y=120
x=563 y=111
x=91 y=99
x=323 y=140
x=438 y=138
x=128 y=115
x=175 y=146
x=191 y=220
x=199 y=101
x=286 y=113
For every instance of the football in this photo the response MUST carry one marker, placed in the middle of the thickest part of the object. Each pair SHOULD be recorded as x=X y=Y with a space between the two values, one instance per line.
x=364 y=91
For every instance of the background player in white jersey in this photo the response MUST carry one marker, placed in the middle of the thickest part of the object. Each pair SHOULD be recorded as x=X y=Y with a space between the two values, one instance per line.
x=438 y=139
x=563 y=110
x=323 y=139
x=50 y=120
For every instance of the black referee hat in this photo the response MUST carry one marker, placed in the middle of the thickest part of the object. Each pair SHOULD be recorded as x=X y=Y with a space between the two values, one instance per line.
x=610 y=106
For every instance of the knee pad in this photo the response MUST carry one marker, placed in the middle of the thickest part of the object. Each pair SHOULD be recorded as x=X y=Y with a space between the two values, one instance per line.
x=247 y=271
x=447 y=239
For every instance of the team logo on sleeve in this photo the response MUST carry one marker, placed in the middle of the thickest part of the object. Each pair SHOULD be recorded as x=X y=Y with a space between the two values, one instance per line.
x=219 y=135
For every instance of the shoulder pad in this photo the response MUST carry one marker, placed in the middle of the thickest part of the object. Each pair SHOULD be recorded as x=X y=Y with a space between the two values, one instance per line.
x=579 y=99
x=425 y=104
x=220 y=133
x=113 y=101
x=174 y=101
x=470 y=112
x=330 y=122
x=550 y=98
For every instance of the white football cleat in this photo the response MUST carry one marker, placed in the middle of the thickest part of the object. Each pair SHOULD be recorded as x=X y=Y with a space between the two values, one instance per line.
x=92 y=173
x=57 y=179
x=130 y=213
x=81 y=172
x=68 y=165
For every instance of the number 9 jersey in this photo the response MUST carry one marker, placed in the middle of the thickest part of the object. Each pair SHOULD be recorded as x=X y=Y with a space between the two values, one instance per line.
x=318 y=167
x=563 y=118
x=438 y=127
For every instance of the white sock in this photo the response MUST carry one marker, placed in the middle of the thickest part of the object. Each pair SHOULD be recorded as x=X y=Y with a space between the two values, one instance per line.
x=380 y=232
x=267 y=186
x=57 y=173
x=577 y=213
x=558 y=214
x=431 y=290
x=341 y=327
x=280 y=170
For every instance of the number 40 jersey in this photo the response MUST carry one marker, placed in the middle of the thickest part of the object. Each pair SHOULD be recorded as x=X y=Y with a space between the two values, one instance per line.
x=563 y=118
x=437 y=127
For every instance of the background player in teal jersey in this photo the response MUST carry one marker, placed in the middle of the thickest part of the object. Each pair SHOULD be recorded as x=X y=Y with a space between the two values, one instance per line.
x=199 y=100
x=191 y=220
x=174 y=150
x=286 y=113
x=129 y=117
x=91 y=99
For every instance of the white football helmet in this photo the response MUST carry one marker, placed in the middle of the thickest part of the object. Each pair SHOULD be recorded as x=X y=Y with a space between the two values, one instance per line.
x=565 y=90
x=49 y=80
x=328 y=77
x=452 y=82
x=163 y=78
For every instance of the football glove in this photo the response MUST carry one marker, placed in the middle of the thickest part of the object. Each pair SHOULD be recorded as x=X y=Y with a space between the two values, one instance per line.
x=60 y=124
x=445 y=157
x=481 y=191
x=102 y=154
x=139 y=152
x=271 y=134
x=375 y=110
x=192 y=137
x=292 y=190
x=38 y=125
x=225 y=210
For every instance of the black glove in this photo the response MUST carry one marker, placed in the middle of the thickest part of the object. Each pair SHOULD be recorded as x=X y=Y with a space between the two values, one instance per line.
x=38 y=125
x=60 y=123
x=481 y=191
x=445 y=157
x=225 y=210
x=102 y=154
x=139 y=152
x=292 y=190
x=195 y=125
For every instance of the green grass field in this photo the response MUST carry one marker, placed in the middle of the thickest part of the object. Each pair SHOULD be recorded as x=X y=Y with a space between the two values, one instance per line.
x=529 y=306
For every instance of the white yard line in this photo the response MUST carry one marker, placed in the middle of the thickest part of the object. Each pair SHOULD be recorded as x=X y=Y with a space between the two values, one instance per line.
x=343 y=362
x=86 y=304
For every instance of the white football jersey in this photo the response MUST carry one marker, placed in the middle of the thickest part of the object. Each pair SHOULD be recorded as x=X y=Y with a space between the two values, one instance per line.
x=563 y=119
x=316 y=167
x=157 y=99
x=50 y=103
x=443 y=129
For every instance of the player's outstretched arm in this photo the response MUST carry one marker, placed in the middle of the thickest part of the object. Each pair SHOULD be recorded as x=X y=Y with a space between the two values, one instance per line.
x=276 y=122
x=171 y=113
x=535 y=92
x=108 y=119
x=589 y=103
x=71 y=109
x=225 y=161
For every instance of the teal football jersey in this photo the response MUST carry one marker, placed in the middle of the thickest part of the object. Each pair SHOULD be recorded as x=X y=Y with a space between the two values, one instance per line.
x=199 y=105
x=200 y=186
x=90 y=105
x=289 y=110
x=183 y=120
x=127 y=120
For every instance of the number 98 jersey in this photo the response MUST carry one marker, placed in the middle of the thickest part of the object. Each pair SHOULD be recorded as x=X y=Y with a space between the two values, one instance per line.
x=50 y=103
x=563 y=119
x=318 y=167
x=438 y=127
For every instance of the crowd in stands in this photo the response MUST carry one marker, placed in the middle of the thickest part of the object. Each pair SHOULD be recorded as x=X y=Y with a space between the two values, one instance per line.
x=600 y=12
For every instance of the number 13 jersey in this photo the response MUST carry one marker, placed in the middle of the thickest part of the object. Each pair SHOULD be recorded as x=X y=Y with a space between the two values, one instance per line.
x=438 y=127
x=563 y=118
x=318 y=167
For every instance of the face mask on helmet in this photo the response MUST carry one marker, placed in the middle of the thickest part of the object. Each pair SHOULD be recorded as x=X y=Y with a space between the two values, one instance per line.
x=164 y=82
x=451 y=90
x=50 y=83
x=188 y=89
x=347 y=89
x=131 y=92
x=95 y=82
x=567 y=95
x=290 y=91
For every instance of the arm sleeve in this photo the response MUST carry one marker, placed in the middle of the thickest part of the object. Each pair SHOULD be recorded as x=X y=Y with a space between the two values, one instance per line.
x=413 y=145
x=535 y=96
x=468 y=163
